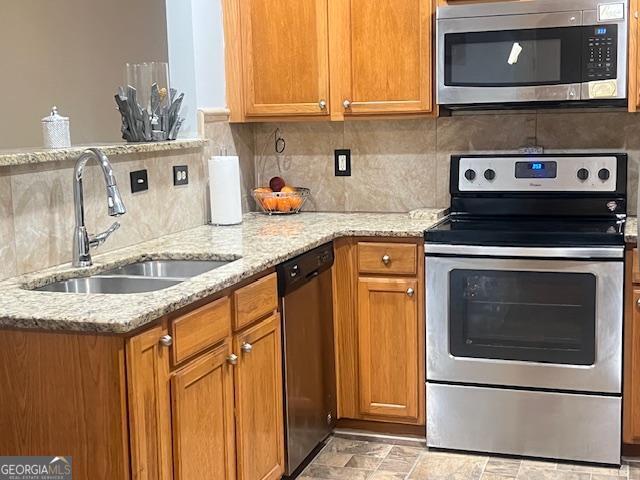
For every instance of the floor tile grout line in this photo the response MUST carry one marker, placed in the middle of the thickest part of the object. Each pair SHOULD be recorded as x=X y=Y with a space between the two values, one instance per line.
x=416 y=464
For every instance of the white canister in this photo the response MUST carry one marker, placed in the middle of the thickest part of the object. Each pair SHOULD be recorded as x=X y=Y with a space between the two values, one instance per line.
x=55 y=130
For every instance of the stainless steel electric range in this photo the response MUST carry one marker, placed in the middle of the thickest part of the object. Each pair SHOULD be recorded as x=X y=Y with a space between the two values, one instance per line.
x=525 y=307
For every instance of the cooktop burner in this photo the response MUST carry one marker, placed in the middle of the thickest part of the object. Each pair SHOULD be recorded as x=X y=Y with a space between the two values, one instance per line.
x=527 y=232
x=535 y=200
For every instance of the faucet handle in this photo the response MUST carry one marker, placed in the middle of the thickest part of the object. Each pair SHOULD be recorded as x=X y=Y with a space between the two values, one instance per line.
x=99 y=239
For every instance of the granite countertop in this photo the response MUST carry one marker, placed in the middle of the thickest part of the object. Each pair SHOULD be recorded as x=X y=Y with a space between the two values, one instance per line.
x=23 y=156
x=261 y=242
x=631 y=230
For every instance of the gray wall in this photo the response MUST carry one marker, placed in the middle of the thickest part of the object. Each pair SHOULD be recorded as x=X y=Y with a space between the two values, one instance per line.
x=72 y=53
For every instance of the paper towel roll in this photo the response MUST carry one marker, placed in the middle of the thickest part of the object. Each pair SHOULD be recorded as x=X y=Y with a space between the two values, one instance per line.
x=224 y=190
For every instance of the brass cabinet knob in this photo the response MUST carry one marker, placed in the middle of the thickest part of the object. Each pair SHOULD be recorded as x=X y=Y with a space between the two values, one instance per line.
x=232 y=359
x=386 y=259
x=166 y=340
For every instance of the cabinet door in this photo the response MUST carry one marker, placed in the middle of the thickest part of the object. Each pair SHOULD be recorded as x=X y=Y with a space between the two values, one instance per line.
x=149 y=406
x=388 y=347
x=258 y=396
x=202 y=410
x=634 y=59
x=381 y=56
x=285 y=57
x=631 y=396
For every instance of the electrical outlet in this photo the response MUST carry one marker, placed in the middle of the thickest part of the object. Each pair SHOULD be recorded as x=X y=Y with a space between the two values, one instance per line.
x=342 y=163
x=139 y=181
x=180 y=175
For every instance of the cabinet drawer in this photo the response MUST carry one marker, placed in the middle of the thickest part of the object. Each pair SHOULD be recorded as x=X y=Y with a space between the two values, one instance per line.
x=255 y=301
x=385 y=258
x=200 y=329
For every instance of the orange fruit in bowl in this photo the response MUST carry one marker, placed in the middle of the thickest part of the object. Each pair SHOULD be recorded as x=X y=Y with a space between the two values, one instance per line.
x=288 y=189
x=284 y=204
x=296 y=203
x=261 y=198
x=270 y=204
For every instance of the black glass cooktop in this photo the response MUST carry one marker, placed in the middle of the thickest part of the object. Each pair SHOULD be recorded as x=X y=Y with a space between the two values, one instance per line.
x=509 y=231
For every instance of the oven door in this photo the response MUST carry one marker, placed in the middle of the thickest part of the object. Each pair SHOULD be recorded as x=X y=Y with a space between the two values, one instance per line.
x=527 y=322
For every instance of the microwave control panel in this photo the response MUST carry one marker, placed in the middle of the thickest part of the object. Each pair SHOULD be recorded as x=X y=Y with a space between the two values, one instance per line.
x=531 y=174
x=600 y=52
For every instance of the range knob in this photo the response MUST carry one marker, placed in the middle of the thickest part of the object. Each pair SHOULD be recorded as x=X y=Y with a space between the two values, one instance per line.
x=489 y=174
x=583 y=174
x=470 y=175
x=604 y=174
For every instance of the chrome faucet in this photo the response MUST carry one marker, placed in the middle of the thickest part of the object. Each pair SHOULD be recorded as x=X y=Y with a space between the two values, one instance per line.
x=82 y=241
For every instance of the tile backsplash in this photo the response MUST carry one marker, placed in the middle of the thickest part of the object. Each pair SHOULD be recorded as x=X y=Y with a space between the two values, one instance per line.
x=398 y=165
x=37 y=214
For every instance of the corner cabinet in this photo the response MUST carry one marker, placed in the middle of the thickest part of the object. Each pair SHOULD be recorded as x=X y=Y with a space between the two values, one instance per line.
x=215 y=410
x=315 y=59
x=379 y=331
x=381 y=57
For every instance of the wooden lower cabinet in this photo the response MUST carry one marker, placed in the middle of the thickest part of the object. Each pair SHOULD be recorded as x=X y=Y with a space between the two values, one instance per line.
x=202 y=418
x=258 y=394
x=218 y=415
x=149 y=406
x=388 y=347
x=379 y=329
x=631 y=388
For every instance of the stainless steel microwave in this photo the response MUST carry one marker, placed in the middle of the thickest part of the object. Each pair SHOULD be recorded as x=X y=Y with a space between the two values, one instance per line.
x=532 y=52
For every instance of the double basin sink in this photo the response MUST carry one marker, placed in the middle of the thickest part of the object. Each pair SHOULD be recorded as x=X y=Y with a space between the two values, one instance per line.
x=141 y=277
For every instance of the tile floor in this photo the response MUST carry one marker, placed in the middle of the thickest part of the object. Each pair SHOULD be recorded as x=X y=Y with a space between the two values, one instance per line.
x=351 y=459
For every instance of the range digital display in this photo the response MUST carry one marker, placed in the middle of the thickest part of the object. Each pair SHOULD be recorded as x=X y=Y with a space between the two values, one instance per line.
x=536 y=169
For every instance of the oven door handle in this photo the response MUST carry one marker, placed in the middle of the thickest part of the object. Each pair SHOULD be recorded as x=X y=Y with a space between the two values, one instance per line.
x=538 y=252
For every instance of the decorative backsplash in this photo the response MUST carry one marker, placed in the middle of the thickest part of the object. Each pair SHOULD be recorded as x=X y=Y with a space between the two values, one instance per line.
x=36 y=206
x=399 y=165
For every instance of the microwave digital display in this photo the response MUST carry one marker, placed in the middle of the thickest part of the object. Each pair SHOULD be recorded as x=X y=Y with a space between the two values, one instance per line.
x=536 y=169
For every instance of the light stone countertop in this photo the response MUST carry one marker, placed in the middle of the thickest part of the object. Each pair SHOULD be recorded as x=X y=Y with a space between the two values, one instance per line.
x=24 y=156
x=631 y=230
x=261 y=242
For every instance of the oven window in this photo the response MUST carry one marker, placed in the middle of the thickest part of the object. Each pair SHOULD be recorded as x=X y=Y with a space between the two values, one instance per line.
x=531 y=57
x=527 y=316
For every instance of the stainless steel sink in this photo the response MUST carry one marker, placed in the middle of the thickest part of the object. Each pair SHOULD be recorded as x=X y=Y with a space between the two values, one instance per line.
x=174 y=269
x=141 y=277
x=112 y=285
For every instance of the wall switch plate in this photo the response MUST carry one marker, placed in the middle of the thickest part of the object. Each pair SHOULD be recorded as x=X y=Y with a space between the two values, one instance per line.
x=139 y=181
x=180 y=175
x=343 y=163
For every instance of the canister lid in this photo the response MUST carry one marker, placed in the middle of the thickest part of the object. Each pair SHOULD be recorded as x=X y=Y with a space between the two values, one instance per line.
x=55 y=117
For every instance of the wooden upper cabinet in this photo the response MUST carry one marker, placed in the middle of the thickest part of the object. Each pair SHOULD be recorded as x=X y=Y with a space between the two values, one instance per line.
x=381 y=56
x=149 y=406
x=634 y=64
x=202 y=411
x=285 y=60
x=389 y=348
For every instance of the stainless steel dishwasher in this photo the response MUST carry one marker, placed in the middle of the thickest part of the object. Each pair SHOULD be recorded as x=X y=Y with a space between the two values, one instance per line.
x=304 y=285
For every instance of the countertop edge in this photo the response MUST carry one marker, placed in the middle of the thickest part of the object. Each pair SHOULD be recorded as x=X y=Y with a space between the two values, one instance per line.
x=9 y=158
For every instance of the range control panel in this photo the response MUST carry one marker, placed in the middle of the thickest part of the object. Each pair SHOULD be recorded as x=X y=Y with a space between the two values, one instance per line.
x=543 y=174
